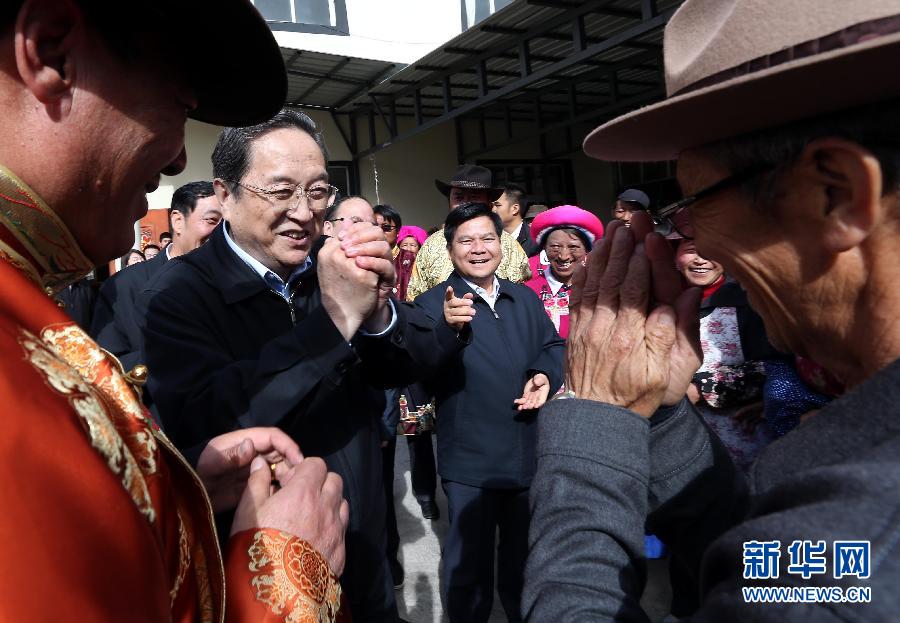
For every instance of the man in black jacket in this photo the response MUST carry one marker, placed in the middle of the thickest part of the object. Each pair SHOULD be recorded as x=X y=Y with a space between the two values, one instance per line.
x=265 y=324
x=193 y=215
x=485 y=420
x=510 y=206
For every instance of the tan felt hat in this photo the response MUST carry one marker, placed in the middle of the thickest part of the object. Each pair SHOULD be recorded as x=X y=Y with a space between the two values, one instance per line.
x=735 y=66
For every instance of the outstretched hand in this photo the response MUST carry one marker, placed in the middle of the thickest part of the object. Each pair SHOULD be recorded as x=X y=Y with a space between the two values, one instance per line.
x=634 y=330
x=535 y=394
x=458 y=311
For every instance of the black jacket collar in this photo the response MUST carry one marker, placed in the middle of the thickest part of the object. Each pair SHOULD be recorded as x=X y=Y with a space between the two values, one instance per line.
x=228 y=272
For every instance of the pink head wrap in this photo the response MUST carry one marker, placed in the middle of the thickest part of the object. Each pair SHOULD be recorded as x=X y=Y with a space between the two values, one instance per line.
x=412 y=230
x=566 y=217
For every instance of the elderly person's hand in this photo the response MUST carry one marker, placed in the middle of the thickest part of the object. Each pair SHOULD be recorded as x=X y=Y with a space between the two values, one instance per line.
x=634 y=331
x=224 y=464
x=366 y=244
x=458 y=311
x=309 y=505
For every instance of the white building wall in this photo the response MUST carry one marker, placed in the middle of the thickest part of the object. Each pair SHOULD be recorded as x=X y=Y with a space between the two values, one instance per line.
x=398 y=31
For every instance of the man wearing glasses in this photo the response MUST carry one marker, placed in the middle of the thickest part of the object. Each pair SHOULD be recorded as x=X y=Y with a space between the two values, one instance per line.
x=388 y=219
x=262 y=324
x=345 y=213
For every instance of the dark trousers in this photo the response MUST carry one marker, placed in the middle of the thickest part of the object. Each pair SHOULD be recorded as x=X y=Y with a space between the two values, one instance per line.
x=467 y=582
x=421 y=466
x=390 y=523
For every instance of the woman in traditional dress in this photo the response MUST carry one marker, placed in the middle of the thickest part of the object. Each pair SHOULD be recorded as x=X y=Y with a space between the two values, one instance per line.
x=566 y=234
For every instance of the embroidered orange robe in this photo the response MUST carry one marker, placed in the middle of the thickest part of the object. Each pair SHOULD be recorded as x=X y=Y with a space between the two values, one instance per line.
x=101 y=518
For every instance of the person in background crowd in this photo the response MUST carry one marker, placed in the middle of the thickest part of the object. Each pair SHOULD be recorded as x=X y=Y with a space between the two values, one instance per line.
x=788 y=154
x=421 y=453
x=566 y=234
x=389 y=221
x=511 y=206
x=151 y=251
x=628 y=203
x=533 y=210
x=165 y=239
x=727 y=390
x=78 y=300
x=470 y=183
x=345 y=213
x=193 y=215
x=132 y=257
x=486 y=398
x=108 y=522
x=411 y=238
x=264 y=324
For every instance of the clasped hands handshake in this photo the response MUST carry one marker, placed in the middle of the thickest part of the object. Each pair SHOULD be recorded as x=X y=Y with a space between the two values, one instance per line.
x=356 y=278
x=634 y=336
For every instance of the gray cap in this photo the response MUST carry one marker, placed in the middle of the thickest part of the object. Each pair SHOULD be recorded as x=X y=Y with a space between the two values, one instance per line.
x=633 y=195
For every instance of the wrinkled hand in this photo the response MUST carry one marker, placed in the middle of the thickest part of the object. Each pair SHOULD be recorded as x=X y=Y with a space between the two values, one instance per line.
x=458 y=311
x=624 y=347
x=309 y=505
x=224 y=464
x=349 y=293
x=366 y=244
x=535 y=394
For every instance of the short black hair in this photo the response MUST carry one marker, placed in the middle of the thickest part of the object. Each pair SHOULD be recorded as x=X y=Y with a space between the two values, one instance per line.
x=123 y=261
x=184 y=199
x=231 y=155
x=165 y=234
x=388 y=212
x=333 y=208
x=466 y=212
x=516 y=194
x=151 y=246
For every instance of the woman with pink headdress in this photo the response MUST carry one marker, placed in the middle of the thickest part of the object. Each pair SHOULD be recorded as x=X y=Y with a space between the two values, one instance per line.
x=566 y=234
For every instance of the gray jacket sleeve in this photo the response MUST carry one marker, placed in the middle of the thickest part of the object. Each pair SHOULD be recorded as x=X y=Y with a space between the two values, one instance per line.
x=588 y=504
x=602 y=471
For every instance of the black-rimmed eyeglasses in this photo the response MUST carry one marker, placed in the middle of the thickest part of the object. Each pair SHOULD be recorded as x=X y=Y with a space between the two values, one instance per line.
x=677 y=214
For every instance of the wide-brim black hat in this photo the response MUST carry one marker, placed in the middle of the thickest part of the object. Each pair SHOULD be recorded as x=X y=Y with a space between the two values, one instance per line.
x=473 y=177
x=238 y=75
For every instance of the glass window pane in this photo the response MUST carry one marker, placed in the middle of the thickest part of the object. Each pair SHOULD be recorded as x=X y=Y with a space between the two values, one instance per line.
x=275 y=10
x=316 y=12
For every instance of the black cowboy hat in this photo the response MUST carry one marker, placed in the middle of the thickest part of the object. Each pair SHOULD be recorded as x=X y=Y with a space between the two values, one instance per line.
x=471 y=176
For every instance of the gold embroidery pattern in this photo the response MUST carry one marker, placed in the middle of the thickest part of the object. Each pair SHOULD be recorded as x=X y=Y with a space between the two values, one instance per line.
x=184 y=559
x=293 y=577
x=41 y=232
x=87 y=403
x=75 y=347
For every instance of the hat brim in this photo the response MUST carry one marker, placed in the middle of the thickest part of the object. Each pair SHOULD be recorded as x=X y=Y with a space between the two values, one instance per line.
x=444 y=189
x=807 y=87
x=244 y=52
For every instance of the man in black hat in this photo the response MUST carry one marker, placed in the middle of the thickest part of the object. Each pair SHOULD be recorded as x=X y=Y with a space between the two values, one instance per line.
x=470 y=183
x=628 y=202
